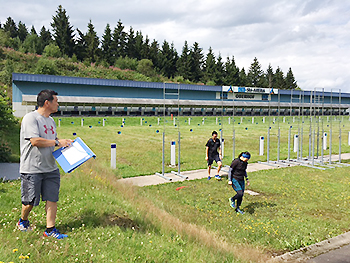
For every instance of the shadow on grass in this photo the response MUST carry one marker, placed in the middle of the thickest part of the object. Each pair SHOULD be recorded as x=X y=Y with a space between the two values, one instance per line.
x=91 y=219
x=252 y=206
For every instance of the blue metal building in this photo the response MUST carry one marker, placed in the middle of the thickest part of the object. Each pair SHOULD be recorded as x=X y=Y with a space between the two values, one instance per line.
x=86 y=96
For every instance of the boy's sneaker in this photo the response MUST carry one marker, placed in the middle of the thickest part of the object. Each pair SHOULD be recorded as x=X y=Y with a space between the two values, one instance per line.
x=55 y=233
x=24 y=225
x=239 y=211
x=217 y=177
x=209 y=177
x=232 y=203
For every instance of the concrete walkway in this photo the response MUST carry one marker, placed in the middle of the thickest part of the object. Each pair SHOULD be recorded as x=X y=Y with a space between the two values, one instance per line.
x=202 y=173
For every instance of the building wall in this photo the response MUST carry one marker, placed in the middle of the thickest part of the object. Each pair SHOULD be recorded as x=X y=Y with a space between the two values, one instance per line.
x=198 y=99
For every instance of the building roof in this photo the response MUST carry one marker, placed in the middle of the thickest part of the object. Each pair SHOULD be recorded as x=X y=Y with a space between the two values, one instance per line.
x=108 y=82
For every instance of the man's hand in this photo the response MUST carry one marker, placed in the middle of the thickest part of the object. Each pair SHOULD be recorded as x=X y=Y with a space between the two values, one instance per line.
x=230 y=182
x=206 y=158
x=248 y=183
x=65 y=142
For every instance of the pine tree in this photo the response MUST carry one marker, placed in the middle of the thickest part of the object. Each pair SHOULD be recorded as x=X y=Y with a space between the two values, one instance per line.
x=168 y=57
x=10 y=26
x=118 y=41
x=255 y=75
x=106 y=47
x=278 y=80
x=243 y=81
x=33 y=31
x=45 y=37
x=154 y=54
x=81 y=46
x=269 y=78
x=290 y=80
x=92 y=43
x=145 y=51
x=197 y=60
x=184 y=63
x=22 y=31
x=63 y=32
x=138 y=45
x=231 y=72
x=209 y=67
x=219 y=71
x=131 y=44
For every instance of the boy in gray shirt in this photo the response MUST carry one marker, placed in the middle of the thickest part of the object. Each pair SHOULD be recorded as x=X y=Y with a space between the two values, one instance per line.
x=39 y=173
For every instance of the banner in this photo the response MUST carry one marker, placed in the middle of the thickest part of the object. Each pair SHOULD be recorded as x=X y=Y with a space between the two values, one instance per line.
x=236 y=89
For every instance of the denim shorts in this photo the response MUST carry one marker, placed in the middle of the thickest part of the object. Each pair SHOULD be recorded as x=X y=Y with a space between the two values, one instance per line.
x=46 y=185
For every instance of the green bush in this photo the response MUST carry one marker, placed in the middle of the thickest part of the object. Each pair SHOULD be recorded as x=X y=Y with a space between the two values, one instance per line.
x=126 y=63
x=52 y=50
x=7 y=121
x=5 y=151
x=145 y=67
x=46 y=67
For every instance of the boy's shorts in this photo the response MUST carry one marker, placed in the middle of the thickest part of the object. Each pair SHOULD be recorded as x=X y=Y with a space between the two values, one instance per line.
x=215 y=158
x=46 y=185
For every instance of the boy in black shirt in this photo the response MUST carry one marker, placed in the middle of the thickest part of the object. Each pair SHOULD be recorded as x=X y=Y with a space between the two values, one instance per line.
x=212 y=154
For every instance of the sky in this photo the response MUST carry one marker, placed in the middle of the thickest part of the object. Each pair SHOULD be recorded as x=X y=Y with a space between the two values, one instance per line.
x=312 y=37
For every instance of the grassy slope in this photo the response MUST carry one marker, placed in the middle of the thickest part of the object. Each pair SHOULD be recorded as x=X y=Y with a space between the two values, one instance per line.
x=298 y=206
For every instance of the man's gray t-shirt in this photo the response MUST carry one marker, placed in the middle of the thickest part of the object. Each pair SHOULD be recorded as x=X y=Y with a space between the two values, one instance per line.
x=37 y=159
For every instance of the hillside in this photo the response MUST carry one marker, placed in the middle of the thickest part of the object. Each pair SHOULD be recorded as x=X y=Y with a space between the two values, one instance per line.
x=19 y=62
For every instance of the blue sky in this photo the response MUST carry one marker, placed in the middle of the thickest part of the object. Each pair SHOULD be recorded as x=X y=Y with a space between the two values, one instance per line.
x=310 y=36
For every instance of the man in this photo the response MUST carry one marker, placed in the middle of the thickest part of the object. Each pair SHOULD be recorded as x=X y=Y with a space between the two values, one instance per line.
x=212 y=154
x=39 y=173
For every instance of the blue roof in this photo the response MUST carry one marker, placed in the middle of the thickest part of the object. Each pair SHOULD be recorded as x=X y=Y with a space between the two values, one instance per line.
x=108 y=82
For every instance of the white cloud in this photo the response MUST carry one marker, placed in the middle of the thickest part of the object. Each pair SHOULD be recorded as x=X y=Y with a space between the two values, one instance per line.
x=310 y=36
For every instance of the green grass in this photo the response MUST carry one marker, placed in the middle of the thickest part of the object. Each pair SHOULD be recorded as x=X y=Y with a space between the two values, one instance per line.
x=296 y=207
x=139 y=148
x=109 y=222
x=103 y=226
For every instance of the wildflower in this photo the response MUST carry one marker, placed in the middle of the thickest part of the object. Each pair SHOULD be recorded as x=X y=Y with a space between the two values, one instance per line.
x=14 y=250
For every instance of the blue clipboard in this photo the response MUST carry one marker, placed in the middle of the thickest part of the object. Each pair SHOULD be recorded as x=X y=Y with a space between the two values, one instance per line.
x=69 y=158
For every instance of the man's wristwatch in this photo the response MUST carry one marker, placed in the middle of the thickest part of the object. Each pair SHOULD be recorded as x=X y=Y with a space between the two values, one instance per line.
x=57 y=143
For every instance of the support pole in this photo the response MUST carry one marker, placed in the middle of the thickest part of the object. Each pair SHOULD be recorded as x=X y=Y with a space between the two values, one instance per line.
x=261 y=148
x=113 y=155
x=172 y=154
x=289 y=134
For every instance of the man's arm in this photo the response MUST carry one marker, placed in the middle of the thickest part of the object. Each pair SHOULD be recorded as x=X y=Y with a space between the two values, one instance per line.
x=207 y=153
x=41 y=142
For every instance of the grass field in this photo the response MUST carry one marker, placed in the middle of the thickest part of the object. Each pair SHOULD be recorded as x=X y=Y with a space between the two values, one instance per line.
x=110 y=222
x=139 y=148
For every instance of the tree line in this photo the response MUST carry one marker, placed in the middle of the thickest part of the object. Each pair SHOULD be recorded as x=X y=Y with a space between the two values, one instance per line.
x=131 y=50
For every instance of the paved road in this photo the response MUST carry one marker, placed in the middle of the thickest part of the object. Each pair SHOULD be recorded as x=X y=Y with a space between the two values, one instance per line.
x=340 y=255
x=9 y=171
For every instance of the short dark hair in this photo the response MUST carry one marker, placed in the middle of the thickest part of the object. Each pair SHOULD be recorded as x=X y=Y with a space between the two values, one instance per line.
x=45 y=95
x=214 y=132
